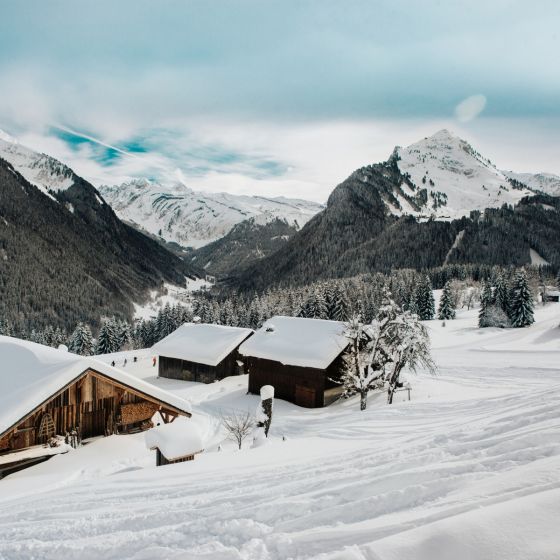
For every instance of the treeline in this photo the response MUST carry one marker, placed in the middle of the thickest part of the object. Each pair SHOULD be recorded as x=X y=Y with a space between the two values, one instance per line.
x=339 y=299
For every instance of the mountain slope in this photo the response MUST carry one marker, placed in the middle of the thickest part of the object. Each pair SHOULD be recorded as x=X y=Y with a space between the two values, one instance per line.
x=456 y=177
x=547 y=183
x=66 y=257
x=41 y=170
x=194 y=219
x=376 y=220
x=246 y=243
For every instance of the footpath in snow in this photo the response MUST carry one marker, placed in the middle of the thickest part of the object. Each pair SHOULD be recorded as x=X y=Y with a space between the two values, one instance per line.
x=469 y=469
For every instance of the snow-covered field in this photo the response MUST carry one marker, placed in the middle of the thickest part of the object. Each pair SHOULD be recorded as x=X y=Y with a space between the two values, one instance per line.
x=469 y=469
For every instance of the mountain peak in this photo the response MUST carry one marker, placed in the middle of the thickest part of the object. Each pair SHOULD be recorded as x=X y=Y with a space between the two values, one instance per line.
x=447 y=178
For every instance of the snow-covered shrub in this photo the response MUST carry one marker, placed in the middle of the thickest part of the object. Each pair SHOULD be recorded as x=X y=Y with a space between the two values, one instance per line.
x=493 y=316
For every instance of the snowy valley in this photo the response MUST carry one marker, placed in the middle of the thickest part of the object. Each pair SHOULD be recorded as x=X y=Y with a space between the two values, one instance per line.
x=469 y=468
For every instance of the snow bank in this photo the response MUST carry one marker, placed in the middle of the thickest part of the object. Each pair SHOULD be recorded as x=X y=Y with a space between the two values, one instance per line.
x=296 y=341
x=175 y=440
x=201 y=343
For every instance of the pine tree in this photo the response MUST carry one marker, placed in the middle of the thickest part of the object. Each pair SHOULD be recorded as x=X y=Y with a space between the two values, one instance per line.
x=446 y=307
x=107 y=341
x=81 y=341
x=339 y=307
x=521 y=308
x=424 y=304
x=485 y=304
x=5 y=328
x=501 y=298
x=124 y=334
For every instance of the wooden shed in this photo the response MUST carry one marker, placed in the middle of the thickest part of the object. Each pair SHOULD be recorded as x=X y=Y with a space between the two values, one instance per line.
x=201 y=352
x=174 y=443
x=298 y=357
x=46 y=392
x=551 y=295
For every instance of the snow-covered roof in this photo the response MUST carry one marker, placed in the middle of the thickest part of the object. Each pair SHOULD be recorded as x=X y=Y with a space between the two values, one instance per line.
x=175 y=440
x=553 y=292
x=30 y=373
x=296 y=341
x=201 y=343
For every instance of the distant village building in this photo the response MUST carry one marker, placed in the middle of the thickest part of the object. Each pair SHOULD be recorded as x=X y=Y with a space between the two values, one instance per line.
x=298 y=357
x=174 y=443
x=201 y=352
x=551 y=294
x=47 y=392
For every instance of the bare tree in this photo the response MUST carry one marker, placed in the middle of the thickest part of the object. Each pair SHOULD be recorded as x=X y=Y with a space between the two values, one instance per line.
x=238 y=425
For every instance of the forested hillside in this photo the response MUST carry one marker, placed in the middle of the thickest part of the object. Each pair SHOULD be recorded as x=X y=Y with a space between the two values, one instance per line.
x=357 y=234
x=66 y=258
x=247 y=242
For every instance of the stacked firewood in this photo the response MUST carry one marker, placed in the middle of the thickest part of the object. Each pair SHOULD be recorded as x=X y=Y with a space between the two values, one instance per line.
x=137 y=412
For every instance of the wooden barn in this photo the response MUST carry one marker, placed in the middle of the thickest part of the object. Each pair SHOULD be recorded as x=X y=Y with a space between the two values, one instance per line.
x=298 y=357
x=45 y=392
x=201 y=352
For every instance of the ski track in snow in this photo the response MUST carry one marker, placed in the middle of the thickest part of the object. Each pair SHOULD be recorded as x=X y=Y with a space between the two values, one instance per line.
x=475 y=439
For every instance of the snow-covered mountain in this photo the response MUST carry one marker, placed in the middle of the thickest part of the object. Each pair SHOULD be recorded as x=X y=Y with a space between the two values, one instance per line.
x=41 y=170
x=194 y=219
x=456 y=179
x=548 y=183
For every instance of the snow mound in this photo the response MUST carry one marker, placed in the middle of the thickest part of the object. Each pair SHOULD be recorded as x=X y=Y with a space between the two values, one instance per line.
x=175 y=440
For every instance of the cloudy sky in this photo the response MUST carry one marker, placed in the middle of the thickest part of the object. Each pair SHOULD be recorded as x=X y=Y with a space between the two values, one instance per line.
x=277 y=97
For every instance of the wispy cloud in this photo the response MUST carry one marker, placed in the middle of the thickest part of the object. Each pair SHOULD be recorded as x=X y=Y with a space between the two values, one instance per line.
x=285 y=97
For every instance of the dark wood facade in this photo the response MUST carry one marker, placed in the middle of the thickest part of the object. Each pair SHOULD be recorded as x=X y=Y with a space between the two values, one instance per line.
x=161 y=459
x=94 y=404
x=185 y=370
x=307 y=387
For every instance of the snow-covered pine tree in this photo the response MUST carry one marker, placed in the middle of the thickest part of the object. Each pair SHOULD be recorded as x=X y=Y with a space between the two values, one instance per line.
x=339 y=306
x=424 y=303
x=521 y=305
x=446 y=306
x=501 y=299
x=486 y=301
x=5 y=328
x=107 y=341
x=59 y=337
x=124 y=335
x=48 y=335
x=81 y=341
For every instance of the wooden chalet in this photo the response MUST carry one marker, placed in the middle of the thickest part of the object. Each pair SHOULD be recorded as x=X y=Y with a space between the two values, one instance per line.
x=298 y=357
x=45 y=392
x=201 y=352
x=174 y=443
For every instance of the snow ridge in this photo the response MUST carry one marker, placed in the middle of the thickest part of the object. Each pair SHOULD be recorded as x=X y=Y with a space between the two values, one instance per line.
x=41 y=170
x=189 y=218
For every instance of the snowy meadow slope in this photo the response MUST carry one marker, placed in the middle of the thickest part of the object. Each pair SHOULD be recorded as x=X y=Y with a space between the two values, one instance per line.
x=469 y=468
